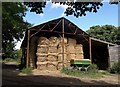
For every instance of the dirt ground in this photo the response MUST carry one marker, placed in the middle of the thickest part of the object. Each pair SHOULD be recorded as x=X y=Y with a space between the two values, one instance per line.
x=12 y=76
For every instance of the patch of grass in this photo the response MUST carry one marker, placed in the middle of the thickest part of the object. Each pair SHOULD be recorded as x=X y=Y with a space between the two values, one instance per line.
x=8 y=60
x=79 y=73
x=26 y=70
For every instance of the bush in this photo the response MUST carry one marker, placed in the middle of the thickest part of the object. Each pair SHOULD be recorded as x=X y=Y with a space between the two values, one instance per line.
x=92 y=68
x=27 y=70
x=115 y=68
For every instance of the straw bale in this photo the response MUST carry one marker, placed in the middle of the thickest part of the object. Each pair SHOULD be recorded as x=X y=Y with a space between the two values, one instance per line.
x=52 y=49
x=60 y=49
x=42 y=49
x=32 y=51
x=60 y=57
x=70 y=49
x=79 y=48
x=60 y=65
x=66 y=64
x=52 y=66
x=71 y=41
x=79 y=56
x=71 y=56
x=54 y=41
x=41 y=66
x=61 y=40
x=43 y=41
x=41 y=58
x=52 y=58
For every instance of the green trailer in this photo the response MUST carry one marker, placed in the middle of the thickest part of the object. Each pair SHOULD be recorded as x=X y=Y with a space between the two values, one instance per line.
x=80 y=63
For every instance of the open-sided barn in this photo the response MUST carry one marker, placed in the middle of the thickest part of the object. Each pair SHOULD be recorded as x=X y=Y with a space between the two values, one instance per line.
x=51 y=45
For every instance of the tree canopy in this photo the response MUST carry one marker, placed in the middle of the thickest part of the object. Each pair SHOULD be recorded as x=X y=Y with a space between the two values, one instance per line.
x=75 y=8
x=13 y=25
x=107 y=33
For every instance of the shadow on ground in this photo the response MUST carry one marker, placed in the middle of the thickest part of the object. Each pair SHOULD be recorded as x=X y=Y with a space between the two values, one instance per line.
x=11 y=78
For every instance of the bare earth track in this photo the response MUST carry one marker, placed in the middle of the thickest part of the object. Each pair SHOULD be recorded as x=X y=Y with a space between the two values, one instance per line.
x=11 y=76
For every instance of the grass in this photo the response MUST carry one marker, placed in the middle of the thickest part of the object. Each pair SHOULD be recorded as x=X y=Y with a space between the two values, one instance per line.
x=26 y=70
x=89 y=74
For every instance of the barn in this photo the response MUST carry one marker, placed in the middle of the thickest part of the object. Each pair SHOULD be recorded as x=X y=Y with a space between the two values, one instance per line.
x=51 y=45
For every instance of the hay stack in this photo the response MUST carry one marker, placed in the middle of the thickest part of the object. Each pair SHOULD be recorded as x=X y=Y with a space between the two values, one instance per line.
x=41 y=57
x=43 y=41
x=60 y=57
x=52 y=49
x=52 y=58
x=32 y=51
x=52 y=66
x=78 y=48
x=59 y=65
x=41 y=65
x=54 y=41
x=71 y=41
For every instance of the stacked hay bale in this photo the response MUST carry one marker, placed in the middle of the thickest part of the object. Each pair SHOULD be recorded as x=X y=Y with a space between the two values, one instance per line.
x=79 y=51
x=52 y=54
x=63 y=46
x=42 y=52
x=32 y=51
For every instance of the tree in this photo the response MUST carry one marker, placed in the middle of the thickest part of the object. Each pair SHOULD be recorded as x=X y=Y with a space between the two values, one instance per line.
x=13 y=25
x=75 y=8
x=107 y=33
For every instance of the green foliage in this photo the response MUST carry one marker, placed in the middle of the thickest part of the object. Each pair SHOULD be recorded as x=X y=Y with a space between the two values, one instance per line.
x=107 y=33
x=13 y=25
x=93 y=68
x=75 y=72
x=92 y=72
x=115 y=68
x=26 y=70
x=8 y=60
x=75 y=8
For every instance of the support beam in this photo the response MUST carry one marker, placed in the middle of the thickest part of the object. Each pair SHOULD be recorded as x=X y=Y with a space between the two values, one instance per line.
x=38 y=30
x=28 y=47
x=90 y=50
x=55 y=25
x=63 y=42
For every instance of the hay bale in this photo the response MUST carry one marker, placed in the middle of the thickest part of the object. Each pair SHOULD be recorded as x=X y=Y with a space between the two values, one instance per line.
x=32 y=51
x=70 y=49
x=41 y=65
x=60 y=49
x=79 y=56
x=60 y=65
x=60 y=57
x=71 y=56
x=52 y=58
x=42 y=49
x=54 y=41
x=52 y=49
x=61 y=40
x=52 y=66
x=41 y=57
x=67 y=64
x=78 y=48
x=71 y=41
x=43 y=41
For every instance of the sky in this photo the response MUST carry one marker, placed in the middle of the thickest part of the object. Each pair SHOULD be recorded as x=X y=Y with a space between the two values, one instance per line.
x=107 y=14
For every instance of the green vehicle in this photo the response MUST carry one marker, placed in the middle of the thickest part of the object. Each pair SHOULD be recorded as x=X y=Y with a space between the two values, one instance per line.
x=80 y=63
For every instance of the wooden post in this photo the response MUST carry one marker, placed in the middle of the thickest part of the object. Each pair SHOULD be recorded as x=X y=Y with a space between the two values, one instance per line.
x=108 y=55
x=90 y=51
x=63 y=41
x=28 y=41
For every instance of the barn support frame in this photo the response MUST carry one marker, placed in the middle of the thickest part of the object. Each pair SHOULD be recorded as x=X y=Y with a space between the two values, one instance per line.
x=28 y=47
x=90 y=49
x=63 y=42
